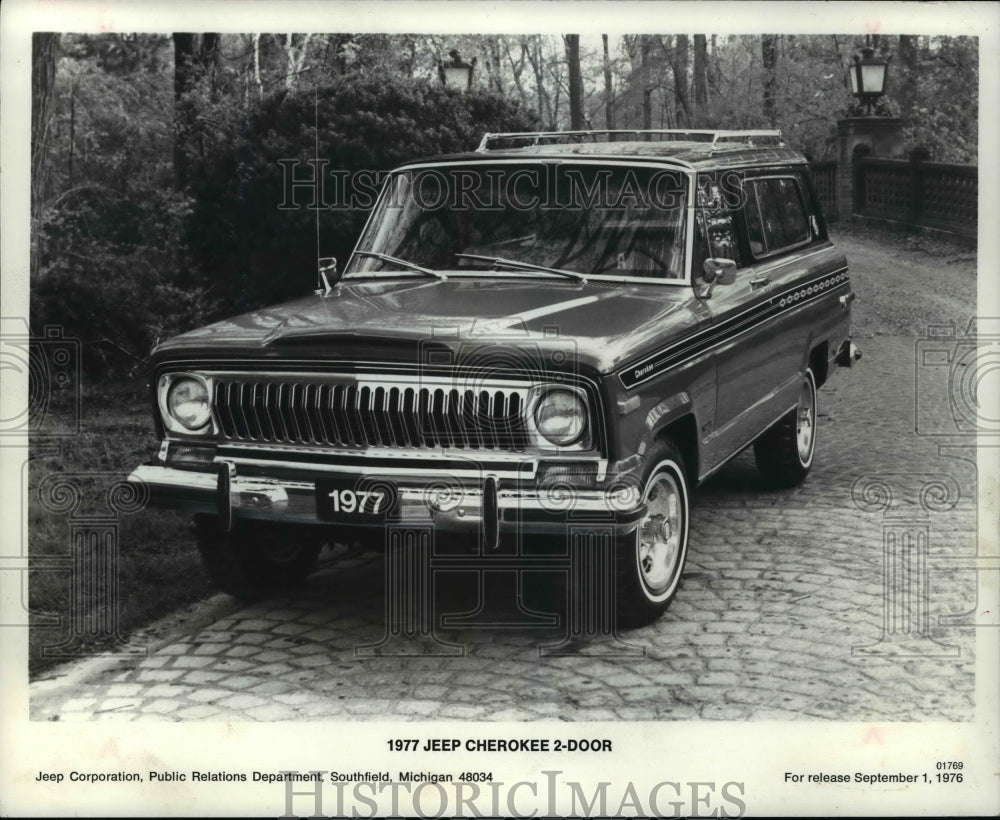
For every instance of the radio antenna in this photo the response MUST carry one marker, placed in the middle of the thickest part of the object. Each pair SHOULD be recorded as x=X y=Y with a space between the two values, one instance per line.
x=323 y=263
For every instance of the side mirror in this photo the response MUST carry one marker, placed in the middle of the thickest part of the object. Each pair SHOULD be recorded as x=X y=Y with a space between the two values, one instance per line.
x=326 y=265
x=717 y=271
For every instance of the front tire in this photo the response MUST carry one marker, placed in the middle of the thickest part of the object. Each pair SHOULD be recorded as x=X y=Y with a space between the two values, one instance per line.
x=651 y=559
x=251 y=562
x=784 y=453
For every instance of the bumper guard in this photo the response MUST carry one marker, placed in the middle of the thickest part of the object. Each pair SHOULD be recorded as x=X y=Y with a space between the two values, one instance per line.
x=485 y=504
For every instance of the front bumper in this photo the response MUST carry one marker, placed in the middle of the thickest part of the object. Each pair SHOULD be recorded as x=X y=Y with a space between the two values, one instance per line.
x=488 y=504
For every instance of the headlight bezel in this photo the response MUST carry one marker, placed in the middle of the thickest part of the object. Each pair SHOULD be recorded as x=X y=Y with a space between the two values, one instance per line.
x=580 y=440
x=165 y=390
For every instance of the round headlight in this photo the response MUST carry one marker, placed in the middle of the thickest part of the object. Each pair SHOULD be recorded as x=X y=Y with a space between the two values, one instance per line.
x=188 y=403
x=560 y=416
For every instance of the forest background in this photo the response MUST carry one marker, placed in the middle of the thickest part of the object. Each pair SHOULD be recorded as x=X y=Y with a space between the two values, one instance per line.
x=155 y=175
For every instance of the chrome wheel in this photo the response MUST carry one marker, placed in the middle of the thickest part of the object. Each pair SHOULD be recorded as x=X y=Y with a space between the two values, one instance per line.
x=662 y=534
x=650 y=559
x=806 y=421
x=784 y=453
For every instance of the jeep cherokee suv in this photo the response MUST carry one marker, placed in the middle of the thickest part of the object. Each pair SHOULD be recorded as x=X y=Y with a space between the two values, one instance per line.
x=554 y=328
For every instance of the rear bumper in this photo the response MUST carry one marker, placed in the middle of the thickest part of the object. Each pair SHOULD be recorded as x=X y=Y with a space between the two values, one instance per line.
x=487 y=504
x=847 y=354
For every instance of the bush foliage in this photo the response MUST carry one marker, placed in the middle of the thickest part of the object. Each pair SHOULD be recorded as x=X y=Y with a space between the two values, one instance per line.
x=128 y=259
x=253 y=251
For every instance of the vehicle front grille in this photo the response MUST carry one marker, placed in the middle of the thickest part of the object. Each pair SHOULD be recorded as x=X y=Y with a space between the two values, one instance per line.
x=366 y=414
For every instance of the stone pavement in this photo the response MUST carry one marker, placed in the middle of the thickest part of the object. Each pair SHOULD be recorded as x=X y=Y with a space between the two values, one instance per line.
x=781 y=615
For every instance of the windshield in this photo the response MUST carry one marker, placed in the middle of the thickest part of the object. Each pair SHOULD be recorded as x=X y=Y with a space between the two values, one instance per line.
x=534 y=219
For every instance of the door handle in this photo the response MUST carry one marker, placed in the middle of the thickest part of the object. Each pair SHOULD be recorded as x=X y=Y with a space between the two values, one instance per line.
x=760 y=279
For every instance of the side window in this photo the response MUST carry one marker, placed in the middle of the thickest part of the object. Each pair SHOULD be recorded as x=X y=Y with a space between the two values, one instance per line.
x=776 y=216
x=755 y=231
x=715 y=234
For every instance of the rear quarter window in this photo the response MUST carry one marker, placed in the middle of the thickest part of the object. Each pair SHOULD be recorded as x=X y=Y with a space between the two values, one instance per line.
x=776 y=217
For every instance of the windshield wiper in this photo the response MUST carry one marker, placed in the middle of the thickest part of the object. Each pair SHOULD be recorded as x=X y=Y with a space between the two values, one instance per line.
x=516 y=265
x=403 y=263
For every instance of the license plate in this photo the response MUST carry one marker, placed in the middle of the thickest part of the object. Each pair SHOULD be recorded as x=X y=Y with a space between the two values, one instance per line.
x=349 y=501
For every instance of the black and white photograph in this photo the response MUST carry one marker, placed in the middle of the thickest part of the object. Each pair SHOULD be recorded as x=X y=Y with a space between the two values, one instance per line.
x=414 y=409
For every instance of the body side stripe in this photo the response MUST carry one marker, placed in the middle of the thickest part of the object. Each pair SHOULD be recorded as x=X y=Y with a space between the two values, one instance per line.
x=717 y=334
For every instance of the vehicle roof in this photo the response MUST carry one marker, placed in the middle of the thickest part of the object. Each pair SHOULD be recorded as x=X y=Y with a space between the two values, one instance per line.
x=698 y=155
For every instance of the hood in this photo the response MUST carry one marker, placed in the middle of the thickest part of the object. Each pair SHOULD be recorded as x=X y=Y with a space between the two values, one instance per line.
x=604 y=322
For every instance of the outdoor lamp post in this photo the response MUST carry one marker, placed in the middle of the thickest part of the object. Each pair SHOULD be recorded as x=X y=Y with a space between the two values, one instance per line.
x=457 y=73
x=868 y=74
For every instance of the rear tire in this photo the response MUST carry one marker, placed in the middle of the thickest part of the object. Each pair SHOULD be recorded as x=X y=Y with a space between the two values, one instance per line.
x=252 y=561
x=650 y=560
x=784 y=453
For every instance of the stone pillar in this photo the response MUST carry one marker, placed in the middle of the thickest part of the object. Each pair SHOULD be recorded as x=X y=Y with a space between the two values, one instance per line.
x=874 y=136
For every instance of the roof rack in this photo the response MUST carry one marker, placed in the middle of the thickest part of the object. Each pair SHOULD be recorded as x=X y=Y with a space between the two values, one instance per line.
x=534 y=138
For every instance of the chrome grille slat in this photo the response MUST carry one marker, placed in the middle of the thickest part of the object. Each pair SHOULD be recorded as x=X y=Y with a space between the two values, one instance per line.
x=307 y=403
x=276 y=435
x=351 y=416
x=292 y=413
x=257 y=429
x=446 y=418
x=411 y=420
x=285 y=412
x=361 y=414
x=368 y=416
x=242 y=430
x=330 y=418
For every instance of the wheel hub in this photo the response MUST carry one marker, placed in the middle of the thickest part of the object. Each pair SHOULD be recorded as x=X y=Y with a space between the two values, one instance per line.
x=660 y=535
x=804 y=426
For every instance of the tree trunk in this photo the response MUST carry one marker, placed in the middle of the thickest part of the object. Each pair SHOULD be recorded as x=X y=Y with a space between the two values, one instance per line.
x=295 y=58
x=534 y=52
x=256 y=65
x=184 y=78
x=700 y=81
x=680 y=62
x=576 y=122
x=184 y=62
x=209 y=59
x=517 y=69
x=769 y=56
x=712 y=71
x=609 y=99
x=909 y=60
x=494 y=64
x=44 y=51
x=647 y=85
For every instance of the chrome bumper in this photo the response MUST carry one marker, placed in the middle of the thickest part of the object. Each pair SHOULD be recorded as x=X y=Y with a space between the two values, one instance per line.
x=463 y=505
x=847 y=354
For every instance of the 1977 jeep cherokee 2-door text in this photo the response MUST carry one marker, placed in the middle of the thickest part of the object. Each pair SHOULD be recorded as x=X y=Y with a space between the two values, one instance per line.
x=556 y=326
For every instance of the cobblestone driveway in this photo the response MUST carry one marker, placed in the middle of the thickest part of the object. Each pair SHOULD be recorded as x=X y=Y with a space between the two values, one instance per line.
x=781 y=614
